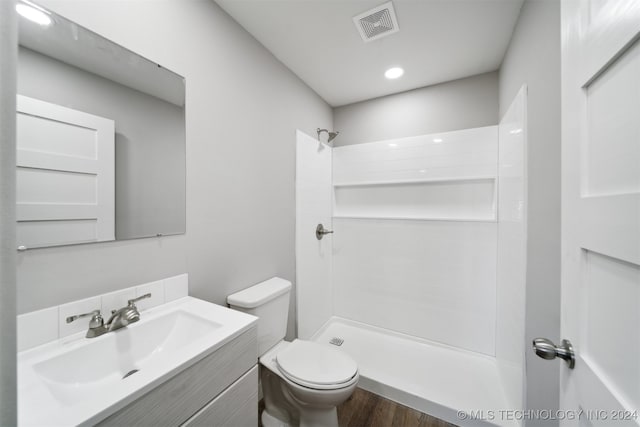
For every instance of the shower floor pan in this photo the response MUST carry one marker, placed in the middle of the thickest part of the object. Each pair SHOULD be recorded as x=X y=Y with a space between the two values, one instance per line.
x=427 y=376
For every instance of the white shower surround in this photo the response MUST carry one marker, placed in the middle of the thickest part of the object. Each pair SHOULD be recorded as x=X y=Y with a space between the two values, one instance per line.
x=512 y=252
x=413 y=289
x=314 y=296
x=423 y=264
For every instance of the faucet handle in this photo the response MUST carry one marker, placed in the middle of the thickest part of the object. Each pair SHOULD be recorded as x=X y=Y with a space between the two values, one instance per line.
x=96 y=318
x=132 y=302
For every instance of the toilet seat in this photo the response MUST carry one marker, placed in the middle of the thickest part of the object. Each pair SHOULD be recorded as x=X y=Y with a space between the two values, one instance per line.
x=316 y=366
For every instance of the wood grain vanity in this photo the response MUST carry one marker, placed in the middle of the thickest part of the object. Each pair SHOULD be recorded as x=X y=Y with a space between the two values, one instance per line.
x=219 y=390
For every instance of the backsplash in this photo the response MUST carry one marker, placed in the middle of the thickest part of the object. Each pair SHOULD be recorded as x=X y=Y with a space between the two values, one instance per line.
x=42 y=326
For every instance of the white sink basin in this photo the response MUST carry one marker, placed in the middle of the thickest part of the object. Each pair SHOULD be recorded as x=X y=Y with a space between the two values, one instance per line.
x=92 y=367
x=77 y=380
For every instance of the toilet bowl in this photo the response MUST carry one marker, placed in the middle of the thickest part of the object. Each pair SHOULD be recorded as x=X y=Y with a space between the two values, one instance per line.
x=311 y=379
x=302 y=381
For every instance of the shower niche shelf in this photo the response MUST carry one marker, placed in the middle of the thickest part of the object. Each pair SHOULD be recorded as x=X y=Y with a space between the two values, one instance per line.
x=439 y=199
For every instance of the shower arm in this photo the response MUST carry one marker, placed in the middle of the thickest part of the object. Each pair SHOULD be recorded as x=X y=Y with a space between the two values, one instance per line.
x=331 y=135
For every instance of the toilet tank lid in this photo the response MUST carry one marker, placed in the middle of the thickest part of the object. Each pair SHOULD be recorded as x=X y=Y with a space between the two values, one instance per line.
x=259 y=294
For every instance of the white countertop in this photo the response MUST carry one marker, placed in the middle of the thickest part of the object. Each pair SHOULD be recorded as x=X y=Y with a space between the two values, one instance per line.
x=78 y=381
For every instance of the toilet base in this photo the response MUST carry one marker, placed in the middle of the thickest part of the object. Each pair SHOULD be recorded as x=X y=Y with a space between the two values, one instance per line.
x=269 y=420
x=319 y=418
x=308 y=418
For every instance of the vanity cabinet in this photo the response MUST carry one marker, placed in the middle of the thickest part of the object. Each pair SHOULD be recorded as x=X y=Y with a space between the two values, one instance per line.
x=236 y=406
x=221 y=389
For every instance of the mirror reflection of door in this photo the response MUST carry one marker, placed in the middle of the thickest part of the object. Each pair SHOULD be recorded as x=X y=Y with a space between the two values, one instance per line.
x=72 y=68
x=65 y=175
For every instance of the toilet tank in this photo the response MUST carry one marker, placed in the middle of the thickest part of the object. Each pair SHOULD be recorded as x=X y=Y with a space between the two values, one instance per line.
x=268 y=300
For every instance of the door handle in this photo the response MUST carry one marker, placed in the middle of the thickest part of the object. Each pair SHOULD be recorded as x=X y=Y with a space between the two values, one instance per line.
x=547 y=350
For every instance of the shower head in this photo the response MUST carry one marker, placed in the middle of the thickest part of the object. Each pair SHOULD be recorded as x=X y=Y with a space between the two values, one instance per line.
x=331 y=135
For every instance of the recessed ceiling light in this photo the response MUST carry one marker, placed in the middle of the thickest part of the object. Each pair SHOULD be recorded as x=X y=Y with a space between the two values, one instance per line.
x=33 y=13
x=437 y=140
x=393 y=145
x=394 y=73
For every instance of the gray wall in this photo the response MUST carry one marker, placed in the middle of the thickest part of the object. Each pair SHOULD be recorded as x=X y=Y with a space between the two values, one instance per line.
x=533 y=58
x=242 y=109
x=459 y=104
x=8 y=52
x=149 y=141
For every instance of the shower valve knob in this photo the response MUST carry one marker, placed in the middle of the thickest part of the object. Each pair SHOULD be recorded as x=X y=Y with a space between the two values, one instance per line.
x=321 y=231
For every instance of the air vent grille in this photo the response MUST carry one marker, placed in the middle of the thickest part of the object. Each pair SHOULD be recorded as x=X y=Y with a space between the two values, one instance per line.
x=377 y=22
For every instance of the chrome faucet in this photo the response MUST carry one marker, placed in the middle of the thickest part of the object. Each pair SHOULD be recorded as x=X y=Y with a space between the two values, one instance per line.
x=126 y=315
x=96 y=324
x=119 y=318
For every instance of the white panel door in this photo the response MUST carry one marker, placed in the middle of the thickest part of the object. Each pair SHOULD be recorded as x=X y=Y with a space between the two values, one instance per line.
x=65 y=175
x=313 y=257
x=601 y=210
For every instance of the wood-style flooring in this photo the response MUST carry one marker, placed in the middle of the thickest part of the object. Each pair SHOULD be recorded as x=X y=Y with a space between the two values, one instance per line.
x=365 y=409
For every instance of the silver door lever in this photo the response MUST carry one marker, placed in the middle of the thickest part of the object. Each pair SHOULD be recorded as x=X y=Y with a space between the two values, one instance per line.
x=546 y=349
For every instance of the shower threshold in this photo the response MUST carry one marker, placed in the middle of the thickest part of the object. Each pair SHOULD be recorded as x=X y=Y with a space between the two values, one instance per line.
x=429 y=377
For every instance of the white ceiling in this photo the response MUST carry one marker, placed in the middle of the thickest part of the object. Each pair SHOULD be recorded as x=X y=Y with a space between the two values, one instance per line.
x=438 y=41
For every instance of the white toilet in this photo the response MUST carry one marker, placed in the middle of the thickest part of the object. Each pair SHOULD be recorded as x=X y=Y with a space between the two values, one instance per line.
x=302 y=381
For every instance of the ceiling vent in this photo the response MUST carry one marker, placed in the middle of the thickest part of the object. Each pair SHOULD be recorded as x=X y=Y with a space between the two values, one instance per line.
x=376 y=23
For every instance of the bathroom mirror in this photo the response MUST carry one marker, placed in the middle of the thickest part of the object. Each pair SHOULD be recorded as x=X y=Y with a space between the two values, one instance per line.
x=101 y=138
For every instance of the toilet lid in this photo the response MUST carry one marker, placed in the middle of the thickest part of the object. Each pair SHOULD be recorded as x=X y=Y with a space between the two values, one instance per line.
x=307 y=362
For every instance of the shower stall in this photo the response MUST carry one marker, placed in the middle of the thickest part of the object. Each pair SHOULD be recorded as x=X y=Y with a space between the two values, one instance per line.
x=422 y=279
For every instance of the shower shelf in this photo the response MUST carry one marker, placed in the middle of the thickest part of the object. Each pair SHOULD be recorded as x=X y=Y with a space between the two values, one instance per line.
x=413 y=218
x=470 y=199
x=413 y=181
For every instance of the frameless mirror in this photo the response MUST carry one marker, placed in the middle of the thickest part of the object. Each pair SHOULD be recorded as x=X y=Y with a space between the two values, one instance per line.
x=100 y=141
